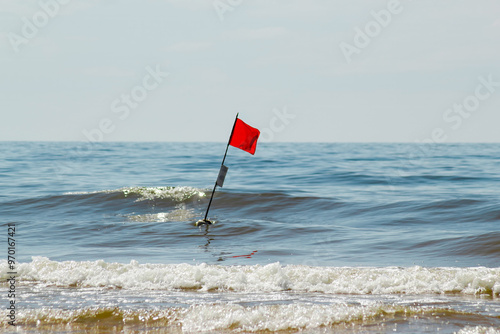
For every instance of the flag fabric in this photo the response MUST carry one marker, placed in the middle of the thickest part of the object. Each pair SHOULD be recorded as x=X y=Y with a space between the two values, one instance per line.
x=244 y=136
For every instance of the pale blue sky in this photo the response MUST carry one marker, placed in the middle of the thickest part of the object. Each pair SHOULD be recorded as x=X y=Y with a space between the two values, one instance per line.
x=67 y=69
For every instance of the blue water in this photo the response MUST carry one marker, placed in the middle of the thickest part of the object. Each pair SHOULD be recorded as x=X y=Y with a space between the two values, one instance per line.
x=119 y=206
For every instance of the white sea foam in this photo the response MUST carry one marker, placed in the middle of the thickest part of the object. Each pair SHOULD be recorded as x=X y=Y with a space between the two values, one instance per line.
x=479 y=330
x=258 y=278
x=214 y=317
x=276 y=317
x=181 y=213
x=178 y=194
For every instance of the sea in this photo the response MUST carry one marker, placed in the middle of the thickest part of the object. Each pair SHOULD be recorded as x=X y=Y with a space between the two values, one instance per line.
x=307 y=238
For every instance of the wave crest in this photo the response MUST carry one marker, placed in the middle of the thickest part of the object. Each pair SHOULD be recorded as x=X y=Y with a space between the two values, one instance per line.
x=257 y=278
x=178 y=194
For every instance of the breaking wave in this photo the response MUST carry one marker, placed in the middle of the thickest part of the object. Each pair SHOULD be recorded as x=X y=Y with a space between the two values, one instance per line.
x=178 y=194
x=260 y=278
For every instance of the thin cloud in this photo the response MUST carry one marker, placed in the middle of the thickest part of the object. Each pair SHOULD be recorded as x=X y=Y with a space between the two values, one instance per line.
x=107 y=72
x=259 y=34
x=190 y=46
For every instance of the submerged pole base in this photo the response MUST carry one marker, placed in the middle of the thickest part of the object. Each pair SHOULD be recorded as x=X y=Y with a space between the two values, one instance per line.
x=203 y=222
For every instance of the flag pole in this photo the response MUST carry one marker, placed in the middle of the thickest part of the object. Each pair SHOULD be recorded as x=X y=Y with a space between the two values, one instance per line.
x=205 y=220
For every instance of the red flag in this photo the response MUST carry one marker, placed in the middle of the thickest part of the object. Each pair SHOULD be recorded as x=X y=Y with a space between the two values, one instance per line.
x=244 y=136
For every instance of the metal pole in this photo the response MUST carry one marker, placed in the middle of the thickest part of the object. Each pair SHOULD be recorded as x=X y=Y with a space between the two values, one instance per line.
x=222 y=163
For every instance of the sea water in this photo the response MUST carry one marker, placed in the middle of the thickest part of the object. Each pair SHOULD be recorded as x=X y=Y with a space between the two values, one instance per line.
x=310 y=237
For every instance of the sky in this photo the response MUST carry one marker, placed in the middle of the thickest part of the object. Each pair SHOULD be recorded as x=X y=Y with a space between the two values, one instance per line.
x=298 y=70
